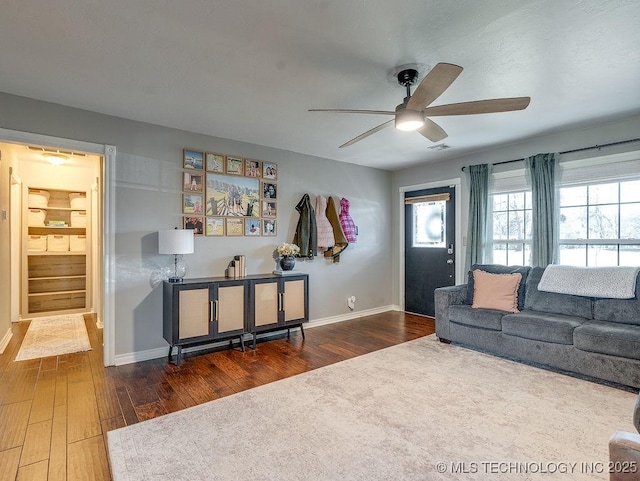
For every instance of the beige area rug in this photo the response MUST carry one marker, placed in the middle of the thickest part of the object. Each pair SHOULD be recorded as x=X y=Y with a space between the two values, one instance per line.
x=422 y=410
x=53 y=336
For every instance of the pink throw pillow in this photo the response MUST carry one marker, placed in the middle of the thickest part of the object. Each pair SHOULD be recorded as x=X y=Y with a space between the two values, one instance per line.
x=496 y=291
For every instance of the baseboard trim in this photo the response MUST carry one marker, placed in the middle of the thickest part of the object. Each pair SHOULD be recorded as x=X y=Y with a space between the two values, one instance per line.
x=5 y=340
x=159 y=352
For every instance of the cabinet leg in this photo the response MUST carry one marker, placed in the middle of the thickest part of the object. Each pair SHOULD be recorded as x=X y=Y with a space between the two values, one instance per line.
x=302 y=331
x=254 y=341
x=241 y=342
x=288 y=333
x=170 y=351
x=179 y=356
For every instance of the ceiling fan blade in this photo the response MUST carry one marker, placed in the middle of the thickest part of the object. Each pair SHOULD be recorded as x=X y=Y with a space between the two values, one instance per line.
x=479 y=107
x=347 y=111
x=432 y=131
x=367 y=133
x=433 y=85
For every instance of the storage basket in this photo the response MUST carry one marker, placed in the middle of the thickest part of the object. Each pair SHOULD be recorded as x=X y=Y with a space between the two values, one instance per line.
x=38 y=198
x=78 y=200
x=79 y=218
x=37 y=243
x=77 y=243
x=57 y=243
x=36 y=218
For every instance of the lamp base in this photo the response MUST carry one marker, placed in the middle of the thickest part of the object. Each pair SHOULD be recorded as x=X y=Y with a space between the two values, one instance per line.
x=175 y=280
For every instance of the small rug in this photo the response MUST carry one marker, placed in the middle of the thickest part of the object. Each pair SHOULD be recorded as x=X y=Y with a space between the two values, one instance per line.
x=53 y=336
x=421 y=410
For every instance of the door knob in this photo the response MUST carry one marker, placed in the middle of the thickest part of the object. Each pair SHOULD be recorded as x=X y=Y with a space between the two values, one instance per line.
x=449 y=261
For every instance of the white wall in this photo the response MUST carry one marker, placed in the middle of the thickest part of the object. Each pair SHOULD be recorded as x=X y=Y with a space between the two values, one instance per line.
x=614 y=131
x=149 y=197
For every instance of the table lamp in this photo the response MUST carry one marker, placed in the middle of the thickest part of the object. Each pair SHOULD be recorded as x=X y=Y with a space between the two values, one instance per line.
x=175 y=241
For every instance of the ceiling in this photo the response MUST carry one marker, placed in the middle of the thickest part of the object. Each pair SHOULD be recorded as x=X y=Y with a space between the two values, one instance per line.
x=249 y=70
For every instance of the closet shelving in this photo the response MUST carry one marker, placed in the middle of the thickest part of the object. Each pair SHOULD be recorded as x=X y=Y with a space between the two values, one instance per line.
x=56 y=260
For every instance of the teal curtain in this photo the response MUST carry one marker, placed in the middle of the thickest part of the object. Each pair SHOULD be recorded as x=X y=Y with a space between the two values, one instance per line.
x=544 y=223
x=477 y=232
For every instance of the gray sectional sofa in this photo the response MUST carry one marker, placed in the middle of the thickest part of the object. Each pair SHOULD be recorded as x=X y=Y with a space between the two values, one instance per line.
x=594 y=337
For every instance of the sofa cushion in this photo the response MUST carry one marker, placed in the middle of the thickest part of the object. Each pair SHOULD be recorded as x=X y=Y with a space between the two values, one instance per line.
x=542 y=326
x=496 y=291
x=565 y=304
x=483 y=318
x=499 y=269
x=624 y=311
x=610 y=338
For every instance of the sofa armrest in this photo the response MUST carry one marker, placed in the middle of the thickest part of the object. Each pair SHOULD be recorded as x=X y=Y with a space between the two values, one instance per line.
x=624 y=456
x=445 y=297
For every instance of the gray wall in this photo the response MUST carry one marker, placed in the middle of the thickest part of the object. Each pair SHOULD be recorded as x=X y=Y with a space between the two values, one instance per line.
x=614 y=131
x=149 y=198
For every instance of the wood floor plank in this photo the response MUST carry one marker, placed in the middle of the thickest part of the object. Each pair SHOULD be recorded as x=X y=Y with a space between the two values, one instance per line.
x=85 y=421
x=9 y=461
x=23 y=385
x=14 y=419
x=87 y=460
x=33 y=472
x=58 y=453
x=37 y=442
x=43 y=397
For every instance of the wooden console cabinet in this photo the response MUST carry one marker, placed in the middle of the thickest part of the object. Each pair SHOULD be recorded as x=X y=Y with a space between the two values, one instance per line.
x=206 y=310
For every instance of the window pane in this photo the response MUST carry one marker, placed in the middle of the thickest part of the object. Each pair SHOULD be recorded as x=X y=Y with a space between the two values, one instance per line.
x=603 y=193
x=630 y=221
x=630 y=191
x=428 y=224
x=573 y=196
x=527 y=255
x=630 y=255
x=515 y=254
x=516 y=200
x=499 y=253
x=516 y=224
x=500 y=202
x=527 y=224
x=500 y=227
x=605 y=255
x=603 y=222
x=527 y=199
x=573 y=223
x=573 y=255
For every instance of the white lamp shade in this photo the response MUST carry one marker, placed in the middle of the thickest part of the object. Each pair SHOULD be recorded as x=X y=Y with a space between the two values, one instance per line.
x=175 y=241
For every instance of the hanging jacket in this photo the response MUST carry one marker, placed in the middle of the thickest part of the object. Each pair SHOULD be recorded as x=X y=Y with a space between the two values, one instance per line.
x=348 y=226
x=306 y=236
x=325 y=229
x=340 y=239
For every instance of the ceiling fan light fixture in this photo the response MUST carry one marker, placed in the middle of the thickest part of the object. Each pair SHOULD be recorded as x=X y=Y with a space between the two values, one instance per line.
x=408 y=120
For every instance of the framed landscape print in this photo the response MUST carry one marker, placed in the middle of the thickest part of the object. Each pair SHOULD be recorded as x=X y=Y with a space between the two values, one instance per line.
x=269 y=190
x=192 y=204
x=215 y=226
x=269 y=171
x=195 y=223
x=235 y=165
x=192 y=159
x=229 y=195
x=235 y=226
x=192 y=181
x=252 y=227
x=268 y=227
x=215 y=163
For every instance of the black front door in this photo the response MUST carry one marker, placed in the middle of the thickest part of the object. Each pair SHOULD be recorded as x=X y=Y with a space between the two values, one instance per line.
x=429 y=246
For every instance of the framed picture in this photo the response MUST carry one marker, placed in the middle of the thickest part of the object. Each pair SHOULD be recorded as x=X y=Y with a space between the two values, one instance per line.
x=269 y=171
x=215 y=163
x=215 y=226
x=252 y=227
x=235 y=165
x=192 y=159
x=235 y=226
x=269 y=209
x=228 y=195
x=192 y=182
x=195 y=223
x=269 y=190
x=252 y=168
x=192 y=204
x=269 y=227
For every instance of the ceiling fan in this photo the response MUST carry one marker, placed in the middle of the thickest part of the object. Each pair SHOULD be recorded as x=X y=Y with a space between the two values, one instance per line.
x=414 y=112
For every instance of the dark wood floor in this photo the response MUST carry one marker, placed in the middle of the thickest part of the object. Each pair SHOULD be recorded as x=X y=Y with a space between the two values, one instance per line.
x=55 y=412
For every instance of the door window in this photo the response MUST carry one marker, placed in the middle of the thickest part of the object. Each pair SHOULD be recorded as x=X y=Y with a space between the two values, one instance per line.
x=429 y=221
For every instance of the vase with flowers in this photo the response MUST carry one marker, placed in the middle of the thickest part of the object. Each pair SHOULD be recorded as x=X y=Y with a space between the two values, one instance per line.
x=287 y=253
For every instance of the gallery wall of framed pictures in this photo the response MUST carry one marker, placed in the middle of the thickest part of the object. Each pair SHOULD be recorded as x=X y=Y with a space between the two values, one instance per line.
x=227 y=195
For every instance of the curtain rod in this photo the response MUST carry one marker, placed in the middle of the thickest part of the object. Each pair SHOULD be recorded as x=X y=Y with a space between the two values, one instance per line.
x=573 y=150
